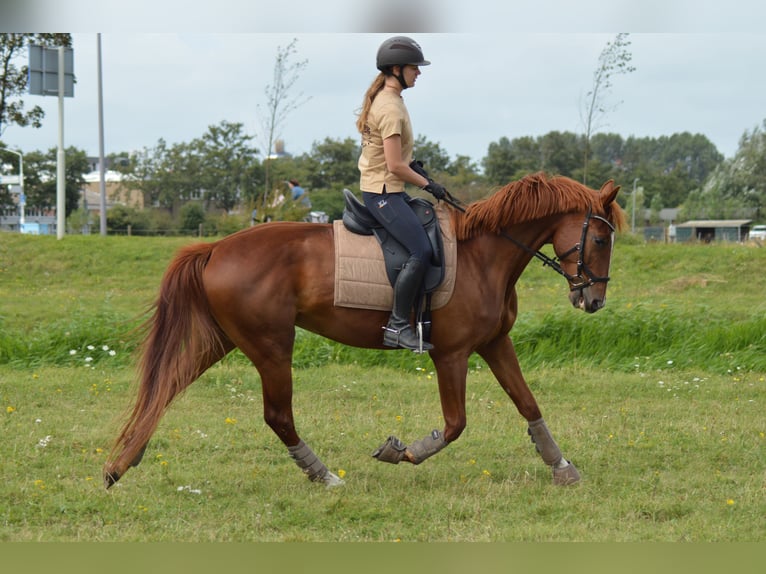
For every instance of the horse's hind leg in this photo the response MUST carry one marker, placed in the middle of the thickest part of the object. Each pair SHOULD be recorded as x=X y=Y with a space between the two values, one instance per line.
x=501 y=358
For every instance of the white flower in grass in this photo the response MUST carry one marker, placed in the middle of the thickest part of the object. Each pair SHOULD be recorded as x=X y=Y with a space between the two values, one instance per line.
x=88 y=359
x=43 y=442
x=189 y=489
x=112 y=353
x=91 y=347
x=105 y=347
x=72 y=351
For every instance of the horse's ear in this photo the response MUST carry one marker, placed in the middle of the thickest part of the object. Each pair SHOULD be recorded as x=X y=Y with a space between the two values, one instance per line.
x=609 y=192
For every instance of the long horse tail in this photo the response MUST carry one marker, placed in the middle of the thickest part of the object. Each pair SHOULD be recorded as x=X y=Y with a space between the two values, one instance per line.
x=182 y=341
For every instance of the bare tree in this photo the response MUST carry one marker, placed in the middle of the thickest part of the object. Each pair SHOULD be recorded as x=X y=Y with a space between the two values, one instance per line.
x=614 y=59
x=280 y=101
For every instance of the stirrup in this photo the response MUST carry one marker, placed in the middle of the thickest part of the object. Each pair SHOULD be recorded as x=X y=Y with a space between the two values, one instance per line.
x=398 y=338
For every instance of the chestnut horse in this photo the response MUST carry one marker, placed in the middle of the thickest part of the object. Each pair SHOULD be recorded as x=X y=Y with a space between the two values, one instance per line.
x=251 y=290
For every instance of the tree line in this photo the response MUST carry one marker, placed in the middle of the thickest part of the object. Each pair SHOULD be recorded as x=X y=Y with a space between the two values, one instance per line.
x=222 y=174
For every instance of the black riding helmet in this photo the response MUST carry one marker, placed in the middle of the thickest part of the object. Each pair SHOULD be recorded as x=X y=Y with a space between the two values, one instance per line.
x=399 y=51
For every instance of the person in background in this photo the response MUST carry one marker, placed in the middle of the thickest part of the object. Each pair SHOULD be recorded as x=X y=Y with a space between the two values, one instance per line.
x=384 y=166
x=299 y=194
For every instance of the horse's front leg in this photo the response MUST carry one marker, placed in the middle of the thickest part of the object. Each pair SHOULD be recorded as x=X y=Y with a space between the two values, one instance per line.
x=501 y=358
x=451 y=374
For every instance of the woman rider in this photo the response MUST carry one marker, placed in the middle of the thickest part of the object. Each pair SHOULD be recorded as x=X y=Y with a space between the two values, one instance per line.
x=384 y=165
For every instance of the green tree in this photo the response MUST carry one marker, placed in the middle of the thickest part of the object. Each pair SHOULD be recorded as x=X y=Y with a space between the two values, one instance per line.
x=40 y=172
x=559 y=153
x=434 y=158
x=120 y=218
x=500 y=164
x=13 y=78
x=614 y=60
x=528 y=157
x=192 y=216
x=166 y=176
x=745 y=175
x=224 y=159
x=331 y=164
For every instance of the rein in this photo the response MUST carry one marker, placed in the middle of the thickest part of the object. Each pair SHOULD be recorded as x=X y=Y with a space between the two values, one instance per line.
x=584 y=278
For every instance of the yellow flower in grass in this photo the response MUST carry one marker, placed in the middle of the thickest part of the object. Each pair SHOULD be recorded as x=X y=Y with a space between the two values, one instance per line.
x=341 y=473
x=9 y=409
x=230 y=421
x=730 y=502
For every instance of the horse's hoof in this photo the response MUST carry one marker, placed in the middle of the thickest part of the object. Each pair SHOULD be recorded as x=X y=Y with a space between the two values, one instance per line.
x=331 y=480
x=566 y=475
x=390 y=451
x=110 y=478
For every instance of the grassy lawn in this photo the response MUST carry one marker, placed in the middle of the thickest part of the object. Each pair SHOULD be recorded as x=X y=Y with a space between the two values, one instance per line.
x=658 y=400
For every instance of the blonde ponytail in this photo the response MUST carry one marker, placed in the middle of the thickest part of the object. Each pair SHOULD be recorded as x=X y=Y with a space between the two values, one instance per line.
x=369 y=96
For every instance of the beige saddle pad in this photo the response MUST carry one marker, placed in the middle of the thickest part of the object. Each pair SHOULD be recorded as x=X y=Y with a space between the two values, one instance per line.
x=360 y=275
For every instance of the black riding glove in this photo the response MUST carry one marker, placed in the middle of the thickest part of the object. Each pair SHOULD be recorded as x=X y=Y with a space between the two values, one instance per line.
x=436 y=190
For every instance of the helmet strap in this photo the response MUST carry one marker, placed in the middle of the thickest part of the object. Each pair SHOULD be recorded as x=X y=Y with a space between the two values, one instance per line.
x=389 y=71
x=400 y=77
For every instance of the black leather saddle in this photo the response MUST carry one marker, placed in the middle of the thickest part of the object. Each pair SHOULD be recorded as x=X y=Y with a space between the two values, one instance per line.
x=358 y=219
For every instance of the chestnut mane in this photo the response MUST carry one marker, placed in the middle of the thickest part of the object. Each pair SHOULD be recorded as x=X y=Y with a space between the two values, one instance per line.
x=529 y=198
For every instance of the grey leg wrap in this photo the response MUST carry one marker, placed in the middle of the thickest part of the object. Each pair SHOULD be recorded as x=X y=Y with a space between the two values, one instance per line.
x=308 y=462
x=390 y=451
x=421 y=449
x=564 y=472
x=544 y=443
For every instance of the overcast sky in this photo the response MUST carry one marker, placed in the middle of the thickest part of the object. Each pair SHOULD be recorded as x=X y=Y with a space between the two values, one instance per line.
x=483 y=84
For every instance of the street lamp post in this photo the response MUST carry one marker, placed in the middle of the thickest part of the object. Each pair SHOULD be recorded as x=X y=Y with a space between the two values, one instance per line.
x=22 y=198
x=633 y=214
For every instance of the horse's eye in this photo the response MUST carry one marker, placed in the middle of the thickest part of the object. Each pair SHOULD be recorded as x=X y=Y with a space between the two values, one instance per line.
x=600 y=241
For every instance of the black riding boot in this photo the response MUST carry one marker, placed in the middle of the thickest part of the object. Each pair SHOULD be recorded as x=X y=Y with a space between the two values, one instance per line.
x=399 y=332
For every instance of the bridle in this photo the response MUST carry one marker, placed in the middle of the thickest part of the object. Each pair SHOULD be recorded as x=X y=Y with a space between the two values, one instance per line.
x=585 y=276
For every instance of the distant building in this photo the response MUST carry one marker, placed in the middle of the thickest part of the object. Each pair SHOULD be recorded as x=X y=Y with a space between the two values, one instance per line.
x=708 y=230
x=118 y=191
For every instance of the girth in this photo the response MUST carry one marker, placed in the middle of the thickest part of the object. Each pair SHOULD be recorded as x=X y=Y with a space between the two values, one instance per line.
x=358 y=219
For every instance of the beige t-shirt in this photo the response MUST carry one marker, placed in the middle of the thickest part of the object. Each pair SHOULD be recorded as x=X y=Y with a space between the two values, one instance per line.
x=388 y=117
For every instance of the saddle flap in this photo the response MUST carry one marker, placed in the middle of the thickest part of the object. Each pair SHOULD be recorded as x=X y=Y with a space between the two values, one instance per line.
x=356 y=216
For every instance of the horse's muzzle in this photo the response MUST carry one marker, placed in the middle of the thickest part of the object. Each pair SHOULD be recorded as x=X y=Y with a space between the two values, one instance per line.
x=582 y=299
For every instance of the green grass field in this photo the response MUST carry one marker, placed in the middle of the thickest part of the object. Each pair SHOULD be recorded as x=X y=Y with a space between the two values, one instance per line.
x=658 y=399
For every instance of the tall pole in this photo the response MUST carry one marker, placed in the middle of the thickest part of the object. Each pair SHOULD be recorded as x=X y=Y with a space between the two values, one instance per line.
x=21 y=185
x=60 y=157
x=102 y=166
x=633 y=214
